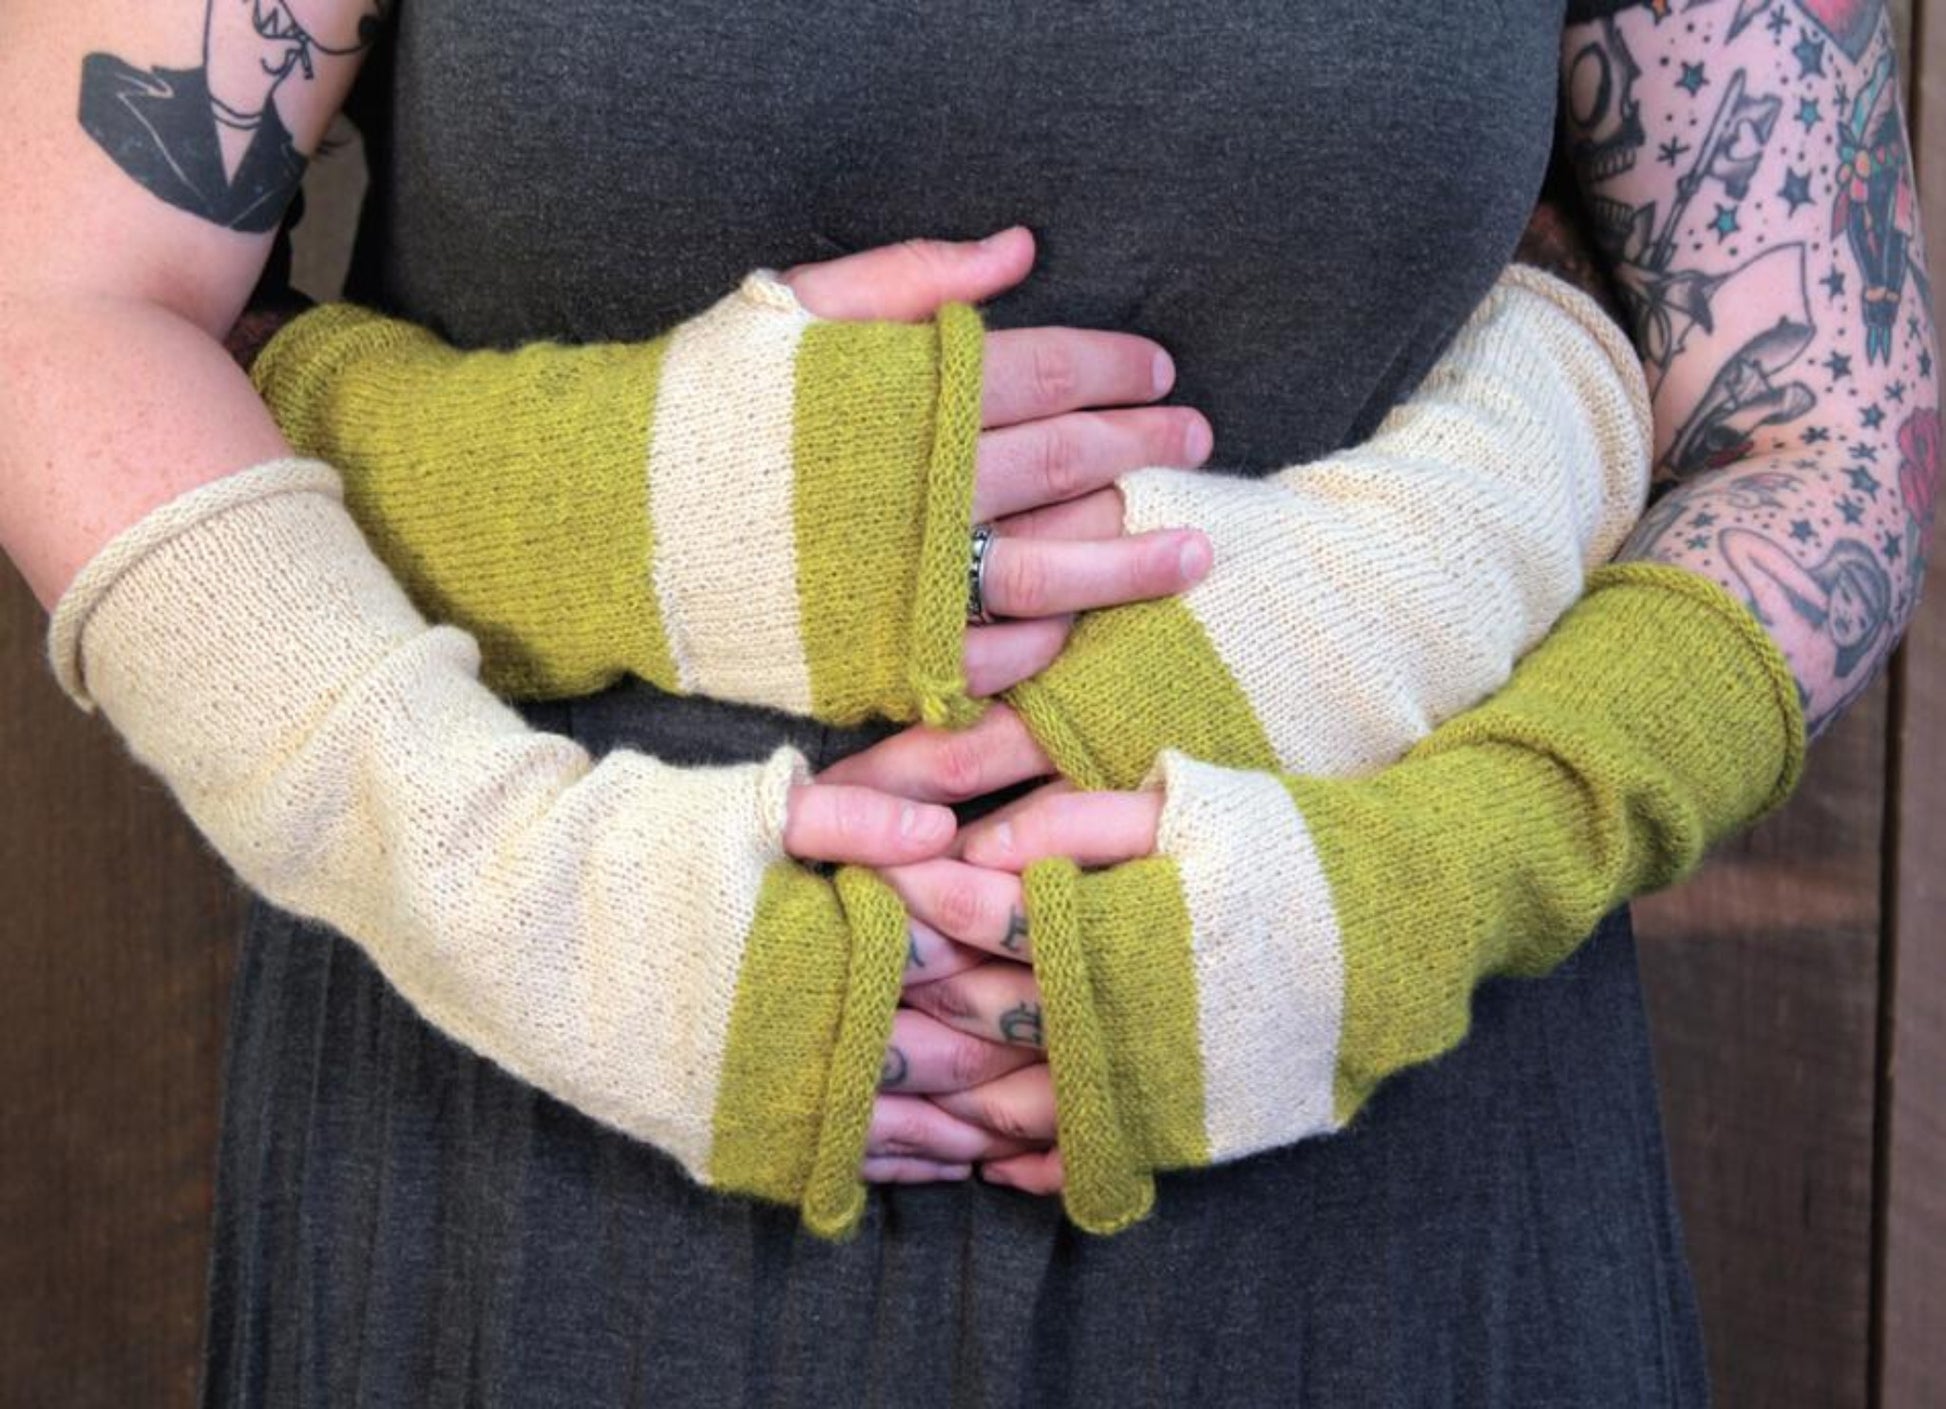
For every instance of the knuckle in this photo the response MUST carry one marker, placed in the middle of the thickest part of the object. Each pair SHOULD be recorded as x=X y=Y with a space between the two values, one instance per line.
x=961 y=908
x=1002 y=1117
x=928 y=258
x=961 y=767
x=949 y=999
x=1055 y=375
x=1024 y=579
x=1060 y=465
x=854 y=816
x=969 y=1062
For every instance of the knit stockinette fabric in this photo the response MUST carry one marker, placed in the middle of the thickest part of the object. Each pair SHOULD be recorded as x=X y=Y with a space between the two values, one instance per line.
x=1360 y=599
x=627 y=936
x=1297 y=939
x=758 y=506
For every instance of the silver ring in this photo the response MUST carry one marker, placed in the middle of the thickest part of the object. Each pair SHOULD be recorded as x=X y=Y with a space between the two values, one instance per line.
x=976 y=577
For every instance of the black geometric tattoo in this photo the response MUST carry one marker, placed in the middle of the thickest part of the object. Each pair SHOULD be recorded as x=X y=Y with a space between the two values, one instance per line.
x=210 y=140
x=1022 y=1024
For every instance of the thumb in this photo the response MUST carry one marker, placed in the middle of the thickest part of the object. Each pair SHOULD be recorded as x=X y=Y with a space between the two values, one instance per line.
x=909 y=281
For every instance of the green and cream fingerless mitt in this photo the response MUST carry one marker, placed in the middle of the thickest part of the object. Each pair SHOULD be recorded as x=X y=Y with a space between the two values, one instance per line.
x=627 y=936
x=1360 y=599
x=758 y=506
x=1297 y=940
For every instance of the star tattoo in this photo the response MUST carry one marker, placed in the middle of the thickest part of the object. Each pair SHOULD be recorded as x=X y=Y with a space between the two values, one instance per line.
x=1809 y=54
x=1816 y=435
x=1872 y=417
x=1889 y=543
x=1692 y=79
x=1725 y=223
x=1808 y=114
x=1834 y=282
x=1703 y=520
x=1777 y=22
x=1802 y=531
x=1863 y=481
x=1864 y=451
x=1853 y=511
x=1838 y=365
x=1896 y=391
x=1797 y=189
x=1671 y=151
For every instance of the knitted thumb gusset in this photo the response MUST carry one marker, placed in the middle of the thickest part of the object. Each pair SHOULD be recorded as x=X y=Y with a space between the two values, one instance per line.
x=758 y=506
x=625 y=935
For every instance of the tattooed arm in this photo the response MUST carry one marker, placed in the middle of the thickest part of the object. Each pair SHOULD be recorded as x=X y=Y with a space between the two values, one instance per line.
x=1748 y=177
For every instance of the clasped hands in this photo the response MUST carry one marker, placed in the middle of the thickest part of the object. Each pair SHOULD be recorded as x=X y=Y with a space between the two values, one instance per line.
x=965 y=1079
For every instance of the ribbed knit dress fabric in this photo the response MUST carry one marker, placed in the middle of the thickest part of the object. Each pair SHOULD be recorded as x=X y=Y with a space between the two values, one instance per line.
x=1303 y=205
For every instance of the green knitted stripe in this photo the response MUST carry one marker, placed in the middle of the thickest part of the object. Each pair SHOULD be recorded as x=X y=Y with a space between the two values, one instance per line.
x=1133 y=681
x=834 y=1201
x=786 y=1019
x=935 y=669
x=478 y=529
x=862 y=439
x=1107 y=1184
x=1141 y=952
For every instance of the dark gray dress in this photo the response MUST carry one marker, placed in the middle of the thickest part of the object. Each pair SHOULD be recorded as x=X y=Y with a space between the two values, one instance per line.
x=1302 y=202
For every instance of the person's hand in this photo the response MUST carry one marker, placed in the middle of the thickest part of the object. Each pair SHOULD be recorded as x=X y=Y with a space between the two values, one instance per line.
x=1046 y=465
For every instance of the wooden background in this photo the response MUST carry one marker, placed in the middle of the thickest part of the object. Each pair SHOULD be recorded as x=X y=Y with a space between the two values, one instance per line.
x=1797 y=987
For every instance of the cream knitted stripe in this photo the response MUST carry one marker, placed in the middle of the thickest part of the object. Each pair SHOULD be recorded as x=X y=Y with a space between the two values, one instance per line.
x=583 y=925
x=725 y=568
x=1454 y=537
x=1268 y=957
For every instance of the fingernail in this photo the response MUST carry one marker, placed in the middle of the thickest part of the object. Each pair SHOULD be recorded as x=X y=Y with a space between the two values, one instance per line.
x=1193 y=558
x=923 y=824
x=1200 y=440
x=956 y=1171
x=996 y=1176
x=1002 y=838
x=1164 y=372
x=998 y=238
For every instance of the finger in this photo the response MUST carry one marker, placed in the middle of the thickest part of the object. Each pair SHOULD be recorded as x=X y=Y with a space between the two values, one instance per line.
x=1018 y=1105
x=1091 y=829
x=1034 y=577
x=1063 y=457
x=947 y=765
x=1097 y=515
x=998 y=1000
x=929 y=955
x=862 y=826
x=908 y=282
x=1036 y=1172
x=1033 y=373
x=912 y=1127
x=999 y=657
x=891 y=1170
x=928 y=1058
x=970 y=904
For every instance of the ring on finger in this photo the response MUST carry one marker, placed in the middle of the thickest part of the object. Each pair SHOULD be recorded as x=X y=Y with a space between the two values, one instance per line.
x=976 y=577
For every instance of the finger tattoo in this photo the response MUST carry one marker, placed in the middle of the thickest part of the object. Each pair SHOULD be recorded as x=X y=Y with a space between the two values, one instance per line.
x=896 y=1068
x=1016 y=932
x=1022 y=1023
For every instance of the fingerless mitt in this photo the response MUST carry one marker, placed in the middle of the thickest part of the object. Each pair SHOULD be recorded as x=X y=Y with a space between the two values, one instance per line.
x=1360 y=599
x=627 y=936
x=759 y=506
x=1296 y=940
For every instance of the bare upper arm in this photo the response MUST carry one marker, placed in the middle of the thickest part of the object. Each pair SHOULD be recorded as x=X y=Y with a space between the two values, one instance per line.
x=149 y=151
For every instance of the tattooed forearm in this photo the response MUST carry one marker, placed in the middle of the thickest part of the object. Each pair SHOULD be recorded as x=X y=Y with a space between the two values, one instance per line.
x=1748 y=179
x=211 y=140
x=1022 y=1024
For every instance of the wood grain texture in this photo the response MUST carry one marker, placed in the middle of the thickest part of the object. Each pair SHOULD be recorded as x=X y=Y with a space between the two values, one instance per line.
x=1912 y=1359
x=1762 y=976
x=117 y=939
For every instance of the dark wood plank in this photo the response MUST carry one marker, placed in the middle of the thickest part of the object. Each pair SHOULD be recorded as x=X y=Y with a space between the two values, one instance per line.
x=1912 y=1360
x=117 y=938
x=1762 y=977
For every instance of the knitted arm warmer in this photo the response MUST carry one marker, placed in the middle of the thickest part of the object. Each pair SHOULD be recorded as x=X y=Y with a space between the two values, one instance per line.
x=1298 y=939
x=1359 y=599
x=758 y=506
x=625 y=935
